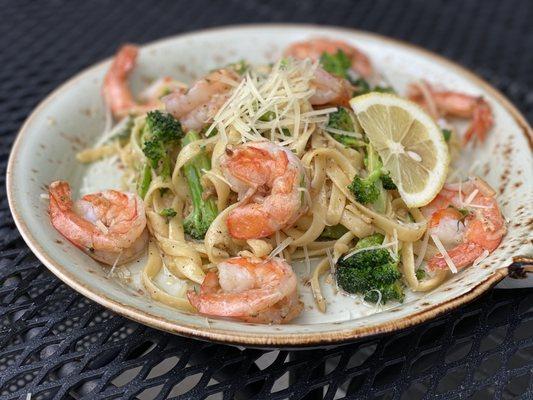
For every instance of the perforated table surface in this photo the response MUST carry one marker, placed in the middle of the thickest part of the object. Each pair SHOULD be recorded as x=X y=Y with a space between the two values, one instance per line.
x=54 y=343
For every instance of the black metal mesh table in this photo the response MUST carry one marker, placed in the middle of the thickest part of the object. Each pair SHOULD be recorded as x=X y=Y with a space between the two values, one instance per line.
x=56 y=344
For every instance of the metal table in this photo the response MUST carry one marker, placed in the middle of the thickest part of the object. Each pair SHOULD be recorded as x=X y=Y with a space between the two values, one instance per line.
x=56 y=344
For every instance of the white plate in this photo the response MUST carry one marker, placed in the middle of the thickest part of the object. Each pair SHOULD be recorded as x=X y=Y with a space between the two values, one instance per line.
x=73 y=116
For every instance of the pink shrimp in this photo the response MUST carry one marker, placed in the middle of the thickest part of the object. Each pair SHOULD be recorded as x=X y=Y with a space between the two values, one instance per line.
x=261 y=291
x=330 y=89
x=109 y=226
x=467 y=236
x=443 y=103
x=314 y=49
x=270 y=181
x=116 y=91
x=196 y=107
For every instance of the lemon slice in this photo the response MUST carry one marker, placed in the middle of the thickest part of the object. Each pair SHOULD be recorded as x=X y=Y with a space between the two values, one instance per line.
x=408 y=141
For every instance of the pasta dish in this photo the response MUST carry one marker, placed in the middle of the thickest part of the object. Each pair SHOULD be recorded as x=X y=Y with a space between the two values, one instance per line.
x=228 y=180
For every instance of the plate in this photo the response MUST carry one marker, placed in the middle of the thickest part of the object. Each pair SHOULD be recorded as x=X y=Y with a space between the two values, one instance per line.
x=73 y=117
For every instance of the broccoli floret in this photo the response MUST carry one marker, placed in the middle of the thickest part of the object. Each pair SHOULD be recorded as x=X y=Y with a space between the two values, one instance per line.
x=163 y=126
x=372 y=272
x=161 y=133
x=333 y=232
x=387 y=182
x=240 y=67
x=204 y=210
x=368 y=190
x=447 y=134
x=144 y=181
x=420 y=274
x=342 y=120
x=363 y=87
x=371 y=189
x=336 y=64
x=168 y=213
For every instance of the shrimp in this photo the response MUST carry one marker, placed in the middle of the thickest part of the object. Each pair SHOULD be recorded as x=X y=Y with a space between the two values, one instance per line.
x=109 y=226
x=470 y=235
x=116 y=91
x=330 y=89
x=443 y=103
x=196 y=107
x=270 y=181
x=314 y=49
x=253 y=290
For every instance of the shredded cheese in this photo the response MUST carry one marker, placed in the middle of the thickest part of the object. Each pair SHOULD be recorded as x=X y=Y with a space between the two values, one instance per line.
x=100 y=225
x=215 y=175
x=481 y=257
x=345 y=133
x=423 y=249
x=267 y=105
x=280 y=247
x=444 y=253
x=471 y=197
x=332 y=268
x=307 y=262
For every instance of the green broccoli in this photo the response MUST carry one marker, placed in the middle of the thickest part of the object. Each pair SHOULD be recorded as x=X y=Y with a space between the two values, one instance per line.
x=160 y=134
x=371 y=189
x=372 y=273
x=333 y=232
x=204 y=210
x=240 y=67
x=336 y=64
x=387 y=182
x=144 y=180
x=363 y=87
x=420 y=274
x=368 y=190
x=447 y=134
x=342 y=120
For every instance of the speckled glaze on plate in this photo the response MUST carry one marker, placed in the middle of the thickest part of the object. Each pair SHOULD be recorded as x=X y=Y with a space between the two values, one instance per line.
x=72 y=117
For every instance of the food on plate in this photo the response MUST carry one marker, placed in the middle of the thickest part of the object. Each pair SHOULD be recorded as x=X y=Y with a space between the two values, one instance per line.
x=228 y=180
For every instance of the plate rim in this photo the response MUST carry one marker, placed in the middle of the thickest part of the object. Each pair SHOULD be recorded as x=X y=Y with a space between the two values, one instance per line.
x=241 y=338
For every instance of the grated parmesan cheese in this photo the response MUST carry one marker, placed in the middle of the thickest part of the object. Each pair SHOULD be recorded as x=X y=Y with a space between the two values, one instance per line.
x=280 y=247
x=423 y=249
x=100 y=225
x=332 y=268
x=266 y=105
x=444 y=253
x=307 y=262
x=481 y=257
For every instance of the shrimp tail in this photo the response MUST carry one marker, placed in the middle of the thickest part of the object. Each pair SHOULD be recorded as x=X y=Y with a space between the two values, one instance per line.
x=482 y=121
x=116 y=91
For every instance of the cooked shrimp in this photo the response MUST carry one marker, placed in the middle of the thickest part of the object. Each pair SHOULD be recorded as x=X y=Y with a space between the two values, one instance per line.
x=269 y=180
x=117 y=93
x=443 y=103
x=196 y=107
x=468 y=236
x=109 y=226
x=314 y=48
x=262 y=291
x=330 y=89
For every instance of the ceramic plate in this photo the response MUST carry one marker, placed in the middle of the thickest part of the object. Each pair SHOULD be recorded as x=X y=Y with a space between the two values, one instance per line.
x=73 y=117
